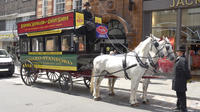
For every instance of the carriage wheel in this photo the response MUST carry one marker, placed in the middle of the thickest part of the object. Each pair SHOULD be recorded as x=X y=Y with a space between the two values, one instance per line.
x=65 y=82
x=28 y=73
x=53 y=76
x=87 y=81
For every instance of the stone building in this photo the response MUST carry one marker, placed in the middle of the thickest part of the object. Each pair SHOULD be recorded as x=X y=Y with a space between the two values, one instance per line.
x=11 y=12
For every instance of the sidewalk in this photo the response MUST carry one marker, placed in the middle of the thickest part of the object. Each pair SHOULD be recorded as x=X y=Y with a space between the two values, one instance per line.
x=160 y=90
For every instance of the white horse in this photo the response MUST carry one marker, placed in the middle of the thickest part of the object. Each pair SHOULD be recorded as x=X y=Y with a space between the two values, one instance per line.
x=105 y=64
x=169 y=53
x=152 y=62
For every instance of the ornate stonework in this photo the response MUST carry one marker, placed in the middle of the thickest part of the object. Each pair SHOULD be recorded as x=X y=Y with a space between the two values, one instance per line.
x=120 y=10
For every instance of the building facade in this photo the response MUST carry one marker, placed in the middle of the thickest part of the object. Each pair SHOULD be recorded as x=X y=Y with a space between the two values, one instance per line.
x=119 y=15
x=11 y=12
x=177 y=20
x=54 y=7
x=123 y=17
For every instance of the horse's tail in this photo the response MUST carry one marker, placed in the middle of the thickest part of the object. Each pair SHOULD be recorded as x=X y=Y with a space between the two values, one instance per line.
x=92 y=81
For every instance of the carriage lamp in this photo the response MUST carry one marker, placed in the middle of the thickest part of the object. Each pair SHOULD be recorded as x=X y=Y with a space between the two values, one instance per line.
x=131 y=5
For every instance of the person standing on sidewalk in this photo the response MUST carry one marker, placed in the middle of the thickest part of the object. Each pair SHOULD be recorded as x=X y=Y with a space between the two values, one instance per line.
x=179 y=83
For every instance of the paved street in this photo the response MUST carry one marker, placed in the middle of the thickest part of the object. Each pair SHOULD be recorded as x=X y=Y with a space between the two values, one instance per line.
x=47 y=97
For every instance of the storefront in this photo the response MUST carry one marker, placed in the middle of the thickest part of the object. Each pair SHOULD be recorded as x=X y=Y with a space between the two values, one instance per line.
x=179 y=20
x=8 y=41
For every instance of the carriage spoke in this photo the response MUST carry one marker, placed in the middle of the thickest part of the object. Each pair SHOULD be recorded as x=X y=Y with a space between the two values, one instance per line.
x=53 y=76
x=65 y=82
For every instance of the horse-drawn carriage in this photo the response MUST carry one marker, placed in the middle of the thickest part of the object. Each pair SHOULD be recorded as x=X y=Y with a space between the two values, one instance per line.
x=61 y=46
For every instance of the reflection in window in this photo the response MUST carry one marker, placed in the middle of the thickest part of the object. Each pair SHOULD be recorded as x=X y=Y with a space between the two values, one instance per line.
x=37 y=44
x=66 y=43
x=52 y=43
x=191 y=24
x=164 y=23
x=24 y=45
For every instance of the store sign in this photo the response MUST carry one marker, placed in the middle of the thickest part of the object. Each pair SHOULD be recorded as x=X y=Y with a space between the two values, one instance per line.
x=79 y=19
x=101 y=31
x=53 y=22
x=181 y=3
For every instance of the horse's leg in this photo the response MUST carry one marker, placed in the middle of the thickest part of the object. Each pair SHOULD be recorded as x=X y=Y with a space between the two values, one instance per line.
x=95 y=81
x=111 y=84
x=145 y=86
x=96 y=92
x=134 y=87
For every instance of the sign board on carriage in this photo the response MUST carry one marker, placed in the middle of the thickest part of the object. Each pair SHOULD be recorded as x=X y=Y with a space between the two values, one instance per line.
x=101 y=31
x=71 y=19
x=98 y=20
x=48 y=23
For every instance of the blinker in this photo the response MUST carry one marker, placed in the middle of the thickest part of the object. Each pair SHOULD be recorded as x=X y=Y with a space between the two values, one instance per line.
x=156 y=44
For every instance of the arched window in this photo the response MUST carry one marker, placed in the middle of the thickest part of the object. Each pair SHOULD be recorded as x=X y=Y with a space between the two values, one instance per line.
x=116 y=30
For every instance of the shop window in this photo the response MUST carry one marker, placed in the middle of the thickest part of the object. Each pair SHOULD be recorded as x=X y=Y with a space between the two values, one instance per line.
x=191 y=24
x=164 y=23
x=37 y=44
x=24 y=45
x=66 y=40
x=52 y=43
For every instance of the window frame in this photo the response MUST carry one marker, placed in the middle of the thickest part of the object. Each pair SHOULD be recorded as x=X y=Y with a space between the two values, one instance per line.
x=55 y=7
x=45 y=8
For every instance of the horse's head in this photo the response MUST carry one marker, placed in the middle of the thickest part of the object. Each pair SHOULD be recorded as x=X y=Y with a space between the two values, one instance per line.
x=156 y=48
x=168 y=50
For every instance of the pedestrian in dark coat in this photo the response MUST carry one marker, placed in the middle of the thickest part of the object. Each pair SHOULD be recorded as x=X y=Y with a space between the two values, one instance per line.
x=179 y=84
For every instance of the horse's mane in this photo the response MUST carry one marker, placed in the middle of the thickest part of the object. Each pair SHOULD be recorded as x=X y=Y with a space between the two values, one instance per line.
x=142 y=46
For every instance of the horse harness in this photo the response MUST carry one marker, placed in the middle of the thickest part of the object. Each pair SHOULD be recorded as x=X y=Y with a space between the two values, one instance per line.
x=154 y=65
x=144 y=65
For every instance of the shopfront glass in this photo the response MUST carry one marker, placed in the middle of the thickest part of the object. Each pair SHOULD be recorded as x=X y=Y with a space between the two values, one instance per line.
x=191 y=34
x=191 y=24
x=164 y=24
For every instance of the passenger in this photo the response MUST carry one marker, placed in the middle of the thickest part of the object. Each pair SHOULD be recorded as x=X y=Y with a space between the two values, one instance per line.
x=90 y=27
x=86 y=11
x=179 y=83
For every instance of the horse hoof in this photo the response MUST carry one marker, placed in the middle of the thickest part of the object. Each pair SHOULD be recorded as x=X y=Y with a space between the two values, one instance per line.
x=145 y=102
x=111 y=94
x=97 y=99
x=135 y=105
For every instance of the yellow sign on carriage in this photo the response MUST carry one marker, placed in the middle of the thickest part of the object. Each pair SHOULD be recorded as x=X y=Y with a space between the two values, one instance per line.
x=98 y=20
x=79 y=19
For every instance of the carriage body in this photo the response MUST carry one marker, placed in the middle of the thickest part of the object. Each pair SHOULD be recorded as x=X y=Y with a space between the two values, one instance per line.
x=54 y=45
